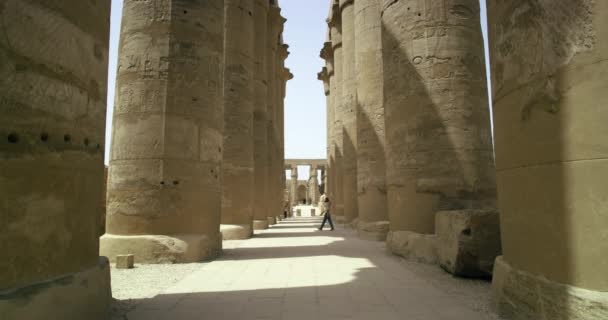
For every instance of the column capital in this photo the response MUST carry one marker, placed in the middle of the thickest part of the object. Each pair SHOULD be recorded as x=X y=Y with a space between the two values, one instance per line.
x=346 y=3
x=327 y=52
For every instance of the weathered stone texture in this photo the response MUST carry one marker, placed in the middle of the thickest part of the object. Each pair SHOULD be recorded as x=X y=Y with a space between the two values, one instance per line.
x=439 y=147
x=413 y=246
x=164 y=177
x=53 y=78
x=468 y=241
x=549 y=66
x=238 y=156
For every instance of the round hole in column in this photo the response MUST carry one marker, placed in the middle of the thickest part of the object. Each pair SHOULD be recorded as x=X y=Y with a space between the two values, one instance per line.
x=67 y=138
x=44 y=137
x=13 y=137
x=86 y=142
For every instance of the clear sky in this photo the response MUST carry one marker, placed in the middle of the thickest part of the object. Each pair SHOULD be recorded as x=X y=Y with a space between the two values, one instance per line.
x=305 y=110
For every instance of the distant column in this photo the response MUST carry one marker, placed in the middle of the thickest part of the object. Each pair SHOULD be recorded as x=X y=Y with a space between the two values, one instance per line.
x=314 y=185
x=349 y=111
x=294 y=186
x=53 y=80
x=371 y=162
x=164 y=196
x=260 y=117
x=550 y=87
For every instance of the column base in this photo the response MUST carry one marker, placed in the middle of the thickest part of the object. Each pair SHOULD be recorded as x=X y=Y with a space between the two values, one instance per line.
x=260 y=224
x=413 y=246
x=160 y=249
x=373 y=231
x=520 y=295
x=338 y=219
x=236 y=231
x=83 y=295
x=272 y=220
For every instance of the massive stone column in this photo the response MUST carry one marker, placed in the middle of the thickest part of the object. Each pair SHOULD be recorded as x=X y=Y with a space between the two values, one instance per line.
x=238 y=158
x=371 y=163
x=282 y=76
x=260 y=117
x=53 y=78
x=272 y=43
x=164 y=180
x=348 y=109
x=335 y=26
x=549 y=80
x=439 y=149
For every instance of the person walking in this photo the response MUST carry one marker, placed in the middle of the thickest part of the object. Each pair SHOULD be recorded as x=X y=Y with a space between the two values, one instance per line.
x=327 y=214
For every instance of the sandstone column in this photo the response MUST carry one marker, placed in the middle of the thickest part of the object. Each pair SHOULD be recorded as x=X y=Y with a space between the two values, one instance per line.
x=326 y=75
x=314 y=185
x=164 y=196
x=549 y=79
x=53 y=78
x=371 y=163
x=334 y=23
x=294 y=186
x=260 y=117
x=272 y=43
x=282 y=76
x=439 y=150
x=238 y=159
x=348 y=109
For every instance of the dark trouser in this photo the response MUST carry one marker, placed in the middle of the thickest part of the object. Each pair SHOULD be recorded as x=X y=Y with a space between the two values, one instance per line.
x=326 y=218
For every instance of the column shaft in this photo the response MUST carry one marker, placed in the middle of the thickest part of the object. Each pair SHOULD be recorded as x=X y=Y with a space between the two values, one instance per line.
x=338 y=130
x=53 y=79
x=348 y=110
x=439 y=148
x=164 y=196
x=238 y=159
x=371 y=161
x=260 y=117
x=551 y=136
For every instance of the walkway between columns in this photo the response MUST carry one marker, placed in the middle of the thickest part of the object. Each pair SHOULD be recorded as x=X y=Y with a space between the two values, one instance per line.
x=293 y=271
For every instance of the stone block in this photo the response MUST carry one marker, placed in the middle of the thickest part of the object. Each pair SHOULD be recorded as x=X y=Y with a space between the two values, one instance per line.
x=260 y=224
x=413 y=246
x=468 y=241
x=126 y=261
x=272 y=220
x=374 y=231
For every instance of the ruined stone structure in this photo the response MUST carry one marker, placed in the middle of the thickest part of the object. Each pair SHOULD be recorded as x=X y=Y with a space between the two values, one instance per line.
x=549 y=80
x=53 y=67
x=305 y=191
x=197 y=148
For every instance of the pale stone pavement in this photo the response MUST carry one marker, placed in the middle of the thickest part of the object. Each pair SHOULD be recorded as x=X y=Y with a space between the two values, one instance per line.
x=293 y=271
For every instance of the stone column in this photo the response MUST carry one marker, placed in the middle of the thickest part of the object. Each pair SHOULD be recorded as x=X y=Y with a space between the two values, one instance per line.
x=439 y=147
x=282 y=76
x=164 y=196
x=348 y=110
x=238 y=159
x=294 y=186
x=314 y=185
x=53 y=78
x=335 y=26
x=371 y=162
x=549 y=81
x=327 y=76
x=272 y=43
x=260 y=117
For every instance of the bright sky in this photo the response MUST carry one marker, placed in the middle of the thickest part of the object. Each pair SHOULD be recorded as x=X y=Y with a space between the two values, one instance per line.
x=305 y=122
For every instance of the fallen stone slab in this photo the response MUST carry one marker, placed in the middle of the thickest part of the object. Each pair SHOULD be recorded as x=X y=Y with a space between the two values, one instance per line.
x=468 y=241
x=126 y=261
x=413 y=246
